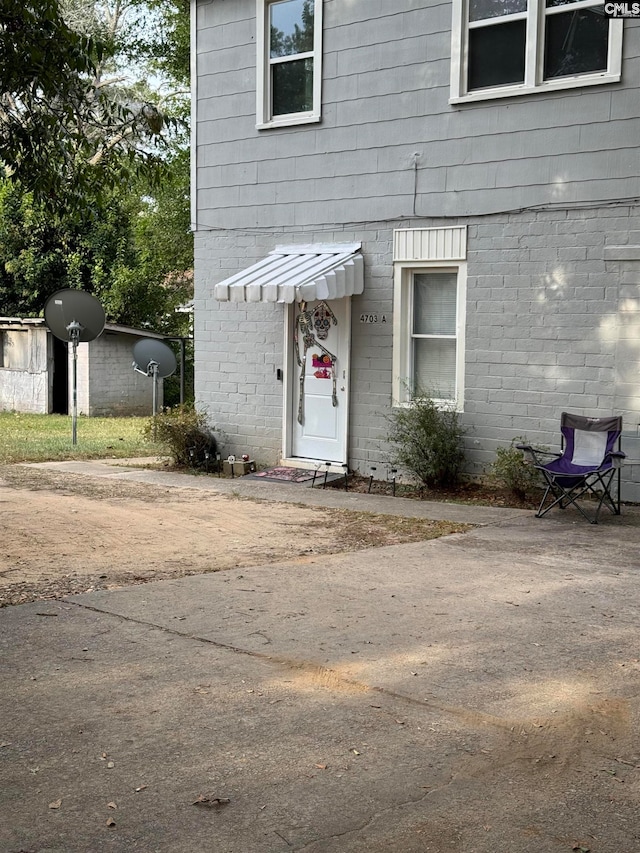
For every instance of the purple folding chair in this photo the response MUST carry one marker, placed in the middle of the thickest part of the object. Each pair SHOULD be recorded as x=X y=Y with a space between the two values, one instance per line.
x=586 y=467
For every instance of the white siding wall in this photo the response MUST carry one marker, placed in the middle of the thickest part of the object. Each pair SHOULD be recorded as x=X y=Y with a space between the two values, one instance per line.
x=26 y=389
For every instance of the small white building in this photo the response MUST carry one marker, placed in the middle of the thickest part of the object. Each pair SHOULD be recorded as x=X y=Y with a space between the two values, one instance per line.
x=36 y=369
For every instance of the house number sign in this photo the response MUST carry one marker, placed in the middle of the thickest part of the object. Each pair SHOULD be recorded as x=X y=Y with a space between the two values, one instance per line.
x=373 y=318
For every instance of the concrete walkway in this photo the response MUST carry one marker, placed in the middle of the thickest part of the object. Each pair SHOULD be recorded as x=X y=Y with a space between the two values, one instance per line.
x=286 y=492
x=477 y=693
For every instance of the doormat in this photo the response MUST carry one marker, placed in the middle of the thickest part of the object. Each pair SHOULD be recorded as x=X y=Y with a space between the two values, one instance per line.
x=294 y=475
x=290 y=475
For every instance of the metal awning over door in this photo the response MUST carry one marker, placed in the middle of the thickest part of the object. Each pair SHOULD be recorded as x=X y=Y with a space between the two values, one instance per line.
x=298 y=274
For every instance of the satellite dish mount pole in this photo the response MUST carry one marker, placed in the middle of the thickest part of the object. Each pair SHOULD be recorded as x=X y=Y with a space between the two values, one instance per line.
x=74 y=329
x=160 y=361
x=152 y=371
x=86 y=324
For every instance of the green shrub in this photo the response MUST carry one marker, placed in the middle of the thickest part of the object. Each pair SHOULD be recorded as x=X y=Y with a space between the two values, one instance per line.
x=512 y=471
x=187 y=436
x=427 y=441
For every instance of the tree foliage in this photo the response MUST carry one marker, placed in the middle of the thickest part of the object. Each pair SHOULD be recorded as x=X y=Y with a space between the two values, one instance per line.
x=95 y=193
x=67 y=129
x=135 y=255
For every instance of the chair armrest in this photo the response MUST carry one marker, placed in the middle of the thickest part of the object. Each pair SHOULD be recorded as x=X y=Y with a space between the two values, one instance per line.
x=527 y=451
x=617 y=457
x=531 y=453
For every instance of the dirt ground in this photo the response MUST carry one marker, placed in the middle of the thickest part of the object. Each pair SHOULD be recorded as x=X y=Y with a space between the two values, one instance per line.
x=481 y=699
x=65 y=533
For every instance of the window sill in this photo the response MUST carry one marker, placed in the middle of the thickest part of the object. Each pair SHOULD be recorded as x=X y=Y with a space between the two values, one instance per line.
x=289 y=121
x=549 y=86
x=445 y=405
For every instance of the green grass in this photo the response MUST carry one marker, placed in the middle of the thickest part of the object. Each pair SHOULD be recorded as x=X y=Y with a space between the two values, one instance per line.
x=44 y=438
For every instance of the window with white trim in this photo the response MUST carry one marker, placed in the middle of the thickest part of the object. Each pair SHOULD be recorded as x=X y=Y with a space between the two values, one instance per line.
x=429 y=311
x=509 y=47
x=289 y=62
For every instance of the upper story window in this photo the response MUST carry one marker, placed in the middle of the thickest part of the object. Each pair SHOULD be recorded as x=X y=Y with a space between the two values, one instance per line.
x=289 y=62
x=509 y=47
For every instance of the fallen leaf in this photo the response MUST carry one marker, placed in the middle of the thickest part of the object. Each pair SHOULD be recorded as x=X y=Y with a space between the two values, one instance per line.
x=55 y=804
x=211 y=802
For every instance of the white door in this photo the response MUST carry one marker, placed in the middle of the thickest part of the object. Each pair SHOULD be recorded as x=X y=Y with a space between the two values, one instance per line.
x=319 y=385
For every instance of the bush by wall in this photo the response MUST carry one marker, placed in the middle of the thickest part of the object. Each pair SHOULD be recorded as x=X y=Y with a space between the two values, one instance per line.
x=427 y=440
x=511 y=471
x=187 y=435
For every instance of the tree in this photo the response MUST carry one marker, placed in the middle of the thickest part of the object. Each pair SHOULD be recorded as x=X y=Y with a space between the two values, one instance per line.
x=80 y=211
x=66 y=130
x=135 y=254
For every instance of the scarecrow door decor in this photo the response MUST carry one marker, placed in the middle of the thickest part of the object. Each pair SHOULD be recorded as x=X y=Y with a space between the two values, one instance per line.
x=311 y=327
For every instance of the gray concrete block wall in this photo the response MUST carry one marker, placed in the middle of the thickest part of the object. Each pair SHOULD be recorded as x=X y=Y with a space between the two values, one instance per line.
x=238 y=349
x=549 y=328
x=107 y=383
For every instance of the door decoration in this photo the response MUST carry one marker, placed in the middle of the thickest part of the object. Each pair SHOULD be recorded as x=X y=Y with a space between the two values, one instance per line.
x=307 y=324
x=322 y=363
x=323 y=316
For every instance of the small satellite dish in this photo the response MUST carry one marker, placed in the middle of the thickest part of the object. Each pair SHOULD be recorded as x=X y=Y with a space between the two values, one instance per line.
x=153 y=358
x=150 y=351
x=76 y=317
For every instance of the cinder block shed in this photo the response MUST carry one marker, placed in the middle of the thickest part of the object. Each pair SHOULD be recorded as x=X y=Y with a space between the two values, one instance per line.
x=36 y=369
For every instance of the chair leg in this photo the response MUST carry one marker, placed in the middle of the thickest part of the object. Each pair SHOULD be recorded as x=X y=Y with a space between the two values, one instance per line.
x=564 y=497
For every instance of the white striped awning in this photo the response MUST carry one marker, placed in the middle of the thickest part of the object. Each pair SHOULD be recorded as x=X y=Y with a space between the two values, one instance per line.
x=298 y=274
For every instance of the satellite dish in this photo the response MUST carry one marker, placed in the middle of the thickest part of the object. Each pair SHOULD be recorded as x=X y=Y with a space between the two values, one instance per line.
x=74 y=316
x=150 y=351
x=153 y=358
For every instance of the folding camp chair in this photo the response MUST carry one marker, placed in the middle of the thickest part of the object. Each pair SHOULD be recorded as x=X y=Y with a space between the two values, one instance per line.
x=589 y=460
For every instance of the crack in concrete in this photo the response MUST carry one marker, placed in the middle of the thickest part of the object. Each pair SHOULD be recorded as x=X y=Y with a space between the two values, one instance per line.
x=322 y=675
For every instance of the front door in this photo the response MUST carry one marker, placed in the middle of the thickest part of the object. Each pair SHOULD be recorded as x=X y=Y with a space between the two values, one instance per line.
x=319 y=377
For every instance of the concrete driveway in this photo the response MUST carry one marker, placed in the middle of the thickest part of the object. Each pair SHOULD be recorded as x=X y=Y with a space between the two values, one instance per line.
x=476 y=693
